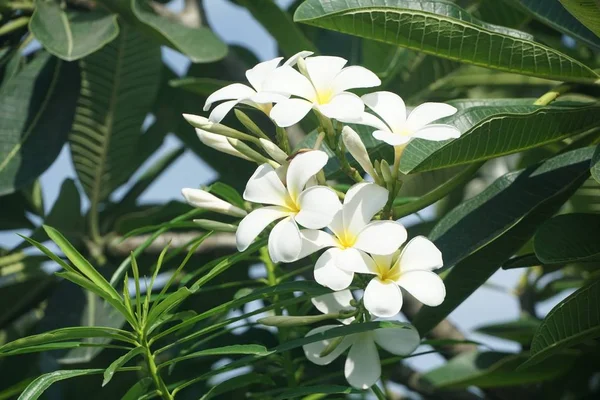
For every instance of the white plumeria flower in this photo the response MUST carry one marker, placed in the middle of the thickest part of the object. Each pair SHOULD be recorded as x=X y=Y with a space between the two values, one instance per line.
x=202 y=199
x=313 y=207
x=220 y=143
x=325 y=91
x=353 y=236
x=409 y=269
x=357 y=148
x=251 y=95
x=363 y=366
x=397 y=129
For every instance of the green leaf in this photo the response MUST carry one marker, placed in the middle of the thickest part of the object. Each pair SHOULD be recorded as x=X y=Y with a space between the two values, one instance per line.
x=442 y=28
x=494 y=128
x=586 y=11
x=200 y=44
x=573 y=321
x=568 y=238
x=138 y=390
x=36 y=111
x=106 y=135
x=555 y=15
x=201 y=86
x=227 y=193
x=293 y=393
x=235 y=383
x=237 y=349
x=494 y=369
x=520 y=331
x=72 y=35
x=170 y=302
x=66 y=334
x=120 y=362
x=13 y=207
x=513 y=207
x=36 y=388
x=595 y=169
x=290 y=39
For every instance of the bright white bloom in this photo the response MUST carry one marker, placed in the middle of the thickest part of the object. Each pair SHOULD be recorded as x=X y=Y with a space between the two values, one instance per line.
x=219 y=142
x=353 y=236
x=202 y=199
x=363 y=367
x=313 y=207
x=251 y=95
x=409 y=269
x=358 y=150
x=397 y=129
x=324 y=91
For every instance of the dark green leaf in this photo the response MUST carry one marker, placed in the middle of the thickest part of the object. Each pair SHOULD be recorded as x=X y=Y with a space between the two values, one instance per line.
x=235 y=383
x=226 y=192
x=44 y=92
x=520 y=331
x=586 y=11
x=573 y=321
x=595 y=170
x=202 y=86
x=293 y=393
x=568 y=238
x=493 y=128
x=120 y=362
x=43 y=382
x=171 y=301
x=442 y=28
x=72 y=35
x=138 y=390
x=527 y=260
x=236 y=349
x=13 y=207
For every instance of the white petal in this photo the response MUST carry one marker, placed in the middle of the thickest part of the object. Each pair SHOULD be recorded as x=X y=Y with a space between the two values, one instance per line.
x=355 y=261
x=363 y=367
x=285 y=241
x=294 y=59
x=302 y=167
x=286 y=80
x=337 y=223
x=268 y=97
x=398 y=341
x=289 y=112
x=273 y=150
x=222 y=110
x=318 y=205
x=234 y=91
x=220 y=143
x=323 y=69
x=358 y=211
x=202 y=199
x=358 y=150
x=313 y=350
x=420 y=254
x=437 y=132
x=354 y=77
x=370 y=120
x=313 y=241
x=383 y=298
x=328 y=274
x=393 y=139
x=333 y=302
x=425 y=286
x=388 y=106
x=384 y=260
x=254 y=223
x=354 y=189
x=427 y=113
x=264 y=186
x=345 y=106
x=257 y=75
x=381 y=237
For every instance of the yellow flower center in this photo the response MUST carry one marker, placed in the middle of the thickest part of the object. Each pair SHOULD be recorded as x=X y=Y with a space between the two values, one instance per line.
x=292 y=205
x=387 y=273
x=404 y=132
x=324 y=96
x=346 y=240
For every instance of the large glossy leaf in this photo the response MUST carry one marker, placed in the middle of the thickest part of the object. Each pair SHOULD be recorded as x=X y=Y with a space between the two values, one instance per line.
x=513 y=207
x=112 y=106
x=36 y=111
x=14 y=208
x=595 y=167
x=446 y=30
x=555 y=15
x=493 y=128
x=573 y=321
x=494 y=369
x=74 y=34
x=520 y=331
x=568 y=238
x=586 y=11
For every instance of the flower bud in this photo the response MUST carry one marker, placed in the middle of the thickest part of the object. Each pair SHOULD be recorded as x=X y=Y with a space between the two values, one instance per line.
x=198 y=121
x=250 y=153
x=219 y=142
x=358 y=150
x=249 y=124
x=216 y=226
x=386 y=172
x=202 y=199
x=274 y=151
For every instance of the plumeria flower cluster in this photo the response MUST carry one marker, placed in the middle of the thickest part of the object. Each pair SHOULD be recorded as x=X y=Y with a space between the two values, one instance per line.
x=361 y=245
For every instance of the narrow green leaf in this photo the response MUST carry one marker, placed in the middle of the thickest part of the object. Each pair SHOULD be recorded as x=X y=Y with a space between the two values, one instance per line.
x=31 y=140
x=568 y=238
x=444 y=29
x=138 y=390
x=573 y=321
x=520 y=331
x=120 y=362
x=323 y=390
x=237 y=349
x=586 y=11
x=170 y=302
x=202 y=86
x=595 y=168
x=39 y=385
x=227 y=193
x=72 y=35
x=235 y=383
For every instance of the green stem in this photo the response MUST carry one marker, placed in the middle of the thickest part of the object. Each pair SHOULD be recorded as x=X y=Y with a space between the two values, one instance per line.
x=552 y=95
x=340 y=151
x=163 y=391
x=14 y=25
x=378 y=392
x=282 y=140
x=319 y=140
x=393 y=185
x=438 y=193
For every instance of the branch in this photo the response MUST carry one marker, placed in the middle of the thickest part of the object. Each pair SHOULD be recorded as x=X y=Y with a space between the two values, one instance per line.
x=218 y=241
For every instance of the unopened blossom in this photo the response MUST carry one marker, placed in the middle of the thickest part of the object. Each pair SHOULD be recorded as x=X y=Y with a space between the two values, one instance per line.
x=325 y=89
x=357 y=149
x=396 y=128
x=288 y=200
x=354 y=235
x=251 y=95
x=220 y=143
x=410 y=269
x=363 y=366
x=208 y=201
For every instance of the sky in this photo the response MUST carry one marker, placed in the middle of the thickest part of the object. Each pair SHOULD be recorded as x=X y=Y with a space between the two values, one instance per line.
x=489 y=304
